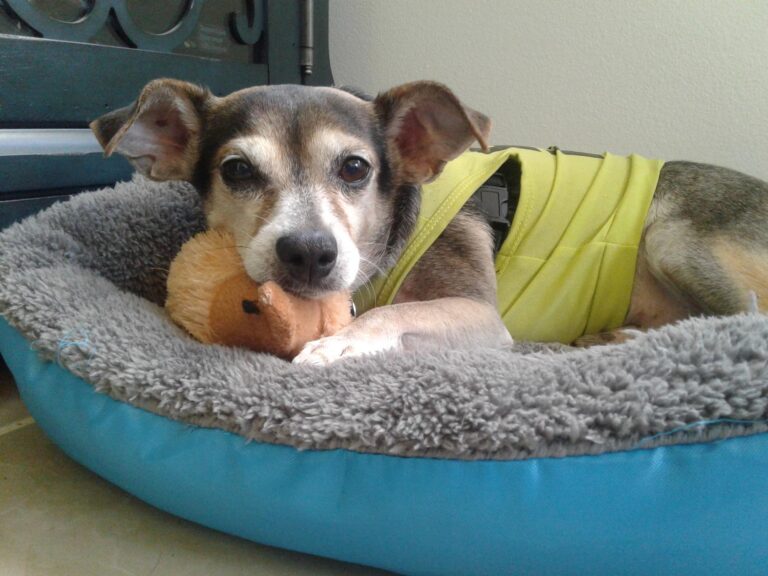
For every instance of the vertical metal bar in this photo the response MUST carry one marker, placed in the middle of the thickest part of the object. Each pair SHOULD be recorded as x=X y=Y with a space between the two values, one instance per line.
x=307 y=43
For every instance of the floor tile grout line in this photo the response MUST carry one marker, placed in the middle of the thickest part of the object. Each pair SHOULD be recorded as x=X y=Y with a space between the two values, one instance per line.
x=17 y=425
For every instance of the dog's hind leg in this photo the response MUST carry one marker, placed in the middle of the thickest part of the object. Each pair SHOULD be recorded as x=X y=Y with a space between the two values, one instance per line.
x=748 y=269
x=694 y=271
x=704 y=250
x=707 y=239
x=679 y=275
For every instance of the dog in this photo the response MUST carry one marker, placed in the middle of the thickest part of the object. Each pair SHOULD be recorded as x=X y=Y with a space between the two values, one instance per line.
x=321 y=188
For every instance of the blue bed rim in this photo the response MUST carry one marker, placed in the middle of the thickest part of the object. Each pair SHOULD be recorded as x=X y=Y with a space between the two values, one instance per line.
x=684 y=509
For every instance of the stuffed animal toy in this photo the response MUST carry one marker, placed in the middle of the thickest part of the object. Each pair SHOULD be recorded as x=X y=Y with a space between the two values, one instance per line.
x=212 y=297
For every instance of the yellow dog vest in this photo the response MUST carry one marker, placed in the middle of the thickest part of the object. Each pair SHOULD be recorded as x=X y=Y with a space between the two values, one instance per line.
x=567 y=265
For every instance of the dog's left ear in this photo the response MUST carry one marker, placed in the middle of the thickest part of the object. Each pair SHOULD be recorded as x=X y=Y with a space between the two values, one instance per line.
x=426 y=126
x=160 y=132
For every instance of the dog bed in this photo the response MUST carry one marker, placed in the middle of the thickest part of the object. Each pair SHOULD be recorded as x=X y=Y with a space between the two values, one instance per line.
x=649 y=457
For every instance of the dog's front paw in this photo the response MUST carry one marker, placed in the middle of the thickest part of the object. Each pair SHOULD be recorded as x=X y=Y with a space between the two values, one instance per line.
x=332 y=348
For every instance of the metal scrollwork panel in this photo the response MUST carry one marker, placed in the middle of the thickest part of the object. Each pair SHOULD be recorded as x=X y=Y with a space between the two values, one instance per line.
x=223 y=29
x=163 y=42
x=248 y=25
x=78 y=30
x=57 y=82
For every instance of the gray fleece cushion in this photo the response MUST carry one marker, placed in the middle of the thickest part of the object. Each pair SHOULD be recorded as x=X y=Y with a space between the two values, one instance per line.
x=85 y=282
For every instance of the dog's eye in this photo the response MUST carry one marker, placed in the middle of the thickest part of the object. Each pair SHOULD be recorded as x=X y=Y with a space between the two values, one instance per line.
x=236 y=170
x=354 y=169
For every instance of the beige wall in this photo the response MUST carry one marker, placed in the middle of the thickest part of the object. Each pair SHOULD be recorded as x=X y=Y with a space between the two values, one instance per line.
x=676 y=79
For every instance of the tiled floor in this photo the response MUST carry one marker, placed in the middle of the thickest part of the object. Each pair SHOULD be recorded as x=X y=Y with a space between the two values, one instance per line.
x=59 y=519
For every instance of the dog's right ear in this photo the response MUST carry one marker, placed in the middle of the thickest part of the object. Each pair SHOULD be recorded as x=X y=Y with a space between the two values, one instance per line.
x=160 y=132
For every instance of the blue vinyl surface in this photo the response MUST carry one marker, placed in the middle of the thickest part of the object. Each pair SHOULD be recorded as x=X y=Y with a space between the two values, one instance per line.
x=689 y=509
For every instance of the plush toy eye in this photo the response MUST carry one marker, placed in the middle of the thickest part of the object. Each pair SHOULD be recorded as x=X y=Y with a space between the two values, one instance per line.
x=236 y=170
x=354 y=169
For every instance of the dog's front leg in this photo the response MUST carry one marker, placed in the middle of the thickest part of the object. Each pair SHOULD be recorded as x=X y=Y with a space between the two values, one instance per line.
x=454 y=322
x=447 y=301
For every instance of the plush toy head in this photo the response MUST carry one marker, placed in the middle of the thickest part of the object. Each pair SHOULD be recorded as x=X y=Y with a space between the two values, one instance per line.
x=210 y=294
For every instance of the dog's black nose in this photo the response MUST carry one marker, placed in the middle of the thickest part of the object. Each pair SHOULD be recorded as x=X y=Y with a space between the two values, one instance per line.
x=308 y=256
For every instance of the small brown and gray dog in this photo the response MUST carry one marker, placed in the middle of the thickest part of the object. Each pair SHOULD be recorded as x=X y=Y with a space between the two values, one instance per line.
x=320 y=187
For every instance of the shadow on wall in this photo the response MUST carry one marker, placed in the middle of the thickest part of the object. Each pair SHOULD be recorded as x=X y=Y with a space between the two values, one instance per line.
x=668 y=80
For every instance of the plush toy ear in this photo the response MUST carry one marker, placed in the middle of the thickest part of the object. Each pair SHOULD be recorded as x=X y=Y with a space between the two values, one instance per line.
x=426 y=126
x=276 y=305
x=160 y=132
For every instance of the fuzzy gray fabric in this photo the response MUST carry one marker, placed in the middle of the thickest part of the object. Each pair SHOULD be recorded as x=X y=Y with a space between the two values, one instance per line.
x=85 y=282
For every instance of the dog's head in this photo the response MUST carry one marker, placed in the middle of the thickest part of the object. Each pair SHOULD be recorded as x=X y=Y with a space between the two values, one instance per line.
x=320 y=187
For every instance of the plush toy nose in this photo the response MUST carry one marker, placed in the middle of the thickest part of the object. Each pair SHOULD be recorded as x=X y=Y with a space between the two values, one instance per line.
x=308 y=255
